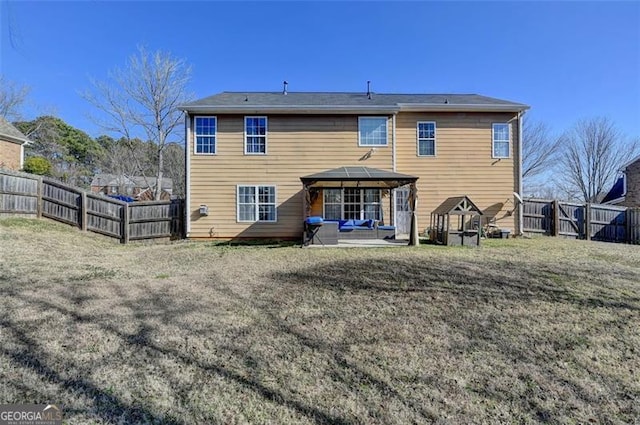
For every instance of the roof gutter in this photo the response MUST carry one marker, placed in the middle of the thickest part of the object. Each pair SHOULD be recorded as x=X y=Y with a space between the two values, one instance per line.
x=421 y=107
x=13 y=139
x=286 y=109
x=351 y=109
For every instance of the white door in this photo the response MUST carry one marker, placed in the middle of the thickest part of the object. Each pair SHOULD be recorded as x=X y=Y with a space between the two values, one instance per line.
x=403 y=211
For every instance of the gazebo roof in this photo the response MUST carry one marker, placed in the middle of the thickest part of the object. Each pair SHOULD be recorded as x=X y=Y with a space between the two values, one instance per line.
x=457 y=205
x=358 y=177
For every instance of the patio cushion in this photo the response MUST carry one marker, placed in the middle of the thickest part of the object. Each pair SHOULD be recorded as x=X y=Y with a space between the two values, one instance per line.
x=355 y=224
x=364 y=223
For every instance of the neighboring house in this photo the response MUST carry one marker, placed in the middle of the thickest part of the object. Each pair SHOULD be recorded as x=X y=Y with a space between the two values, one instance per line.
x=626 y=190
x=247 y=153
x=12 y=143
x=136 y=187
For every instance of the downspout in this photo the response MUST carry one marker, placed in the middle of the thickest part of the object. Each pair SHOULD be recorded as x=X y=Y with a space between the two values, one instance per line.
x=393 y=141
x=392 y=200
x=520 y=187
x=187 y=174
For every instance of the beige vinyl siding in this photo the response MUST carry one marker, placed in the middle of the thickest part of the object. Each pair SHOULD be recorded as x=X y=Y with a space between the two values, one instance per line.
x=10 y=155
x=463 y=164
x=296 y=146
x=299 y=145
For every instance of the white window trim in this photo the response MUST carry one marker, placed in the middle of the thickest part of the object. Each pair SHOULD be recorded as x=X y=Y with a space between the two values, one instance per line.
x=435 y=138
x=493 y=140
x=386 y=131
x=266 y=134
x=362 y=203
x=195 y=136
x=275 y=203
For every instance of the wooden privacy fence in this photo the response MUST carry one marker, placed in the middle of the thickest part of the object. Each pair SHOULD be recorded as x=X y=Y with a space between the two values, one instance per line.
x=24 y=194
x=607 y=223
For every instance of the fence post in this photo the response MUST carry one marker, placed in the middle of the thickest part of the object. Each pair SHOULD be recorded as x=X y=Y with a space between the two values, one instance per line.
x=629 y=216
x=83 y=211
x=125 y=224
x=556 y=218
x=587 y=221
x=40 y=191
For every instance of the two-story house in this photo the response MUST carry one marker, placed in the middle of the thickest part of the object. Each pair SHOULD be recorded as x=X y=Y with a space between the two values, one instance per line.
x=248 y=151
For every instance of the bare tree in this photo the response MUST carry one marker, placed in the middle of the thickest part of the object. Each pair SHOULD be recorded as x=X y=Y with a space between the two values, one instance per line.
x=12 y=96
x=175 y=167
x=125 y=158
x=539 y=149
x=143 y=98
x=594 y=152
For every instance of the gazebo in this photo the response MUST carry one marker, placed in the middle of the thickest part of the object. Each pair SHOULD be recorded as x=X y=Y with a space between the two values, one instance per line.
x=364 y=178
x=454 y=222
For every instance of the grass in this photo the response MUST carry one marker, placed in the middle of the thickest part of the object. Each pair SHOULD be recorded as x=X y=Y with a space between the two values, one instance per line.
x=517 y=331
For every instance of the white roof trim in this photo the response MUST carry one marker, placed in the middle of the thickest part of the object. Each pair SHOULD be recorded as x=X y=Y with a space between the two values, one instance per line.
x=461 y=107
x=18 y=140
x=283 y=109
x=624 y=167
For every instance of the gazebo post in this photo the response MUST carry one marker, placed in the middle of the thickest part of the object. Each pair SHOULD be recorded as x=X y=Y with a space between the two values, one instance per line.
x=392 y=209
x=413 y=236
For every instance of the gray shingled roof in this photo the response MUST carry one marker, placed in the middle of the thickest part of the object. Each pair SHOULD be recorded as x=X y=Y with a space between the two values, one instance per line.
x=450 y=206
x=328 y=100
x=359 y=176
x=9 y=132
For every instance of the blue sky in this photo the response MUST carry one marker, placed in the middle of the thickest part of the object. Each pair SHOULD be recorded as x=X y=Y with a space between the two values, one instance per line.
x=568 y=60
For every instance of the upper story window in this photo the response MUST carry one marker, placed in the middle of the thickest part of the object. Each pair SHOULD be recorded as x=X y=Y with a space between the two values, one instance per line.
x=255 y=135
x=501 y=140
x=426 y=138
x=372 y=131
x=256 y=203
x=205 y=135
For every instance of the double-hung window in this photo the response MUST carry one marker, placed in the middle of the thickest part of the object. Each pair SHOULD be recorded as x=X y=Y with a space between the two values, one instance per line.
x=352 y=204
x=205 y=135
x=371 y=204
x=426 y=138
x=255 y=135
x=333 y=204
x=256 y=203
x=501 y=140
x=372 y=131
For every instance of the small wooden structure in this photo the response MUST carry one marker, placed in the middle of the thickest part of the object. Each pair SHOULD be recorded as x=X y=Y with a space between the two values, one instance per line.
x=464 y=231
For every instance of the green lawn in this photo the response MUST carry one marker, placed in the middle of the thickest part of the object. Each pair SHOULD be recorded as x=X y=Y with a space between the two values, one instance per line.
x=516 y=331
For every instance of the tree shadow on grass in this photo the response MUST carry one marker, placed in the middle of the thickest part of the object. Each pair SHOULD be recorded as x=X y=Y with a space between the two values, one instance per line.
x=144 y=312
x=109 y=407
x=468 y=285
x=466 y=280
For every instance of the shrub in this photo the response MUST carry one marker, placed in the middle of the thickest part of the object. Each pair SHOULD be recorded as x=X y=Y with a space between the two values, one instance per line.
x=38 y=165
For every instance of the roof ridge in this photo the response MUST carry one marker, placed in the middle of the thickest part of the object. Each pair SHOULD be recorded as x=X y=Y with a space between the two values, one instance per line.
x=353 y=92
